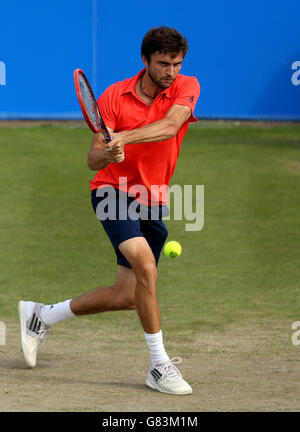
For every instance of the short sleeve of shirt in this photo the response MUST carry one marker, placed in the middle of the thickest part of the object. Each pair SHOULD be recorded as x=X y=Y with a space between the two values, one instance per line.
x=108 y=107
x=187 y=93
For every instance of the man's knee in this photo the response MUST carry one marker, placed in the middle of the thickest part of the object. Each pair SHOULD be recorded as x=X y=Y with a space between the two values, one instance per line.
x=128 y=302
x=141 y=258
x=130 y=305
x=145 y=270
x=124 y=296
x=124 y=288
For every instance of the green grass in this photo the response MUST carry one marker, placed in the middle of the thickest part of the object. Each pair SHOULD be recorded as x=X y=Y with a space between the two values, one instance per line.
x=242 y=266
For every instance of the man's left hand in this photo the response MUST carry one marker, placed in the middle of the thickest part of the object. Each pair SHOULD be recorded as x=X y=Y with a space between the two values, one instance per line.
x=117 y=143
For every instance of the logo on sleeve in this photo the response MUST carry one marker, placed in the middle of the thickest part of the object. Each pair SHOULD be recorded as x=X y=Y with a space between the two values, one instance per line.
x=190 y=99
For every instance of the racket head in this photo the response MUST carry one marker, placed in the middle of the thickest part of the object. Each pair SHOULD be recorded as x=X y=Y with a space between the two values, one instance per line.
x=88 y=104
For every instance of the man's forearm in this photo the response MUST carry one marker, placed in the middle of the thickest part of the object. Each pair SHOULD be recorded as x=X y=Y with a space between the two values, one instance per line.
x=158 y=131
x=96 y=160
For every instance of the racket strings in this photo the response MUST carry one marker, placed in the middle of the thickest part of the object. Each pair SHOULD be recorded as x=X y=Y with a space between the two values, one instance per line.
x=90 y=103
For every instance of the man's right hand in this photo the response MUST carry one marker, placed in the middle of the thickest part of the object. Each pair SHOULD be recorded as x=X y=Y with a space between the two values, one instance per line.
x=98 y=157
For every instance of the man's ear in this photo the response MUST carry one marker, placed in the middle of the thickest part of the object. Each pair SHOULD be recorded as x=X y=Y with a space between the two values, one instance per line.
x=145 y=61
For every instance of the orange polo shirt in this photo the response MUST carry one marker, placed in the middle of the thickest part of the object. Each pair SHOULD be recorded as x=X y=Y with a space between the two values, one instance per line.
x=148 y=167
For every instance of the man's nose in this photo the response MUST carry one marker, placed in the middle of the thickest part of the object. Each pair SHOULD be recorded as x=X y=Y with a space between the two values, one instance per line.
x=170 y=71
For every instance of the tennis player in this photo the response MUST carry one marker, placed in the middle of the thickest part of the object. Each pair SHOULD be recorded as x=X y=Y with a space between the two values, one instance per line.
x=148 y=116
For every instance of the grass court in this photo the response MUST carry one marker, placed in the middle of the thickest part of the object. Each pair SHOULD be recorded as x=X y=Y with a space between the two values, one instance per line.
x=227 y=303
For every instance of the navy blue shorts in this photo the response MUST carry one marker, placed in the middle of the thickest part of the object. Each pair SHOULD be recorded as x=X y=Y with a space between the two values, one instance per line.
x=123 y=218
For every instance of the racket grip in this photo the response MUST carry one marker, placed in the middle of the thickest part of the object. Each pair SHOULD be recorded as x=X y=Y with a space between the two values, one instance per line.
x=108 y=139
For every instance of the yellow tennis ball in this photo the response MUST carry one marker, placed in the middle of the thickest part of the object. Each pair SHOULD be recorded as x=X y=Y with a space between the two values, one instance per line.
x=172 y=249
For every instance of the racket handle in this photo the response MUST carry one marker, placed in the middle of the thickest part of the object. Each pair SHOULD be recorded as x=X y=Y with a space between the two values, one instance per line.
x=108 y=138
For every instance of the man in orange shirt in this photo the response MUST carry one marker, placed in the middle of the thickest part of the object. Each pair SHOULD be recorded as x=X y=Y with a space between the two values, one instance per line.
x=147 y=116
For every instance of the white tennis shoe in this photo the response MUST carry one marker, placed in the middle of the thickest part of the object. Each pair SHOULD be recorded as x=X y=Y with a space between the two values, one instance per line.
x=166 y=378
x=33 y=330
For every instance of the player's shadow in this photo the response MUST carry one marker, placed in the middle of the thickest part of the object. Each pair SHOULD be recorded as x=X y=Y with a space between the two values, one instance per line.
x=280 y=99
x=34 y=375
x=15 y=364
x=134 y=386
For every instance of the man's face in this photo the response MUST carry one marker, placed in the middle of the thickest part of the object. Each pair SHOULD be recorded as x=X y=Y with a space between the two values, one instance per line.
x=164 y=68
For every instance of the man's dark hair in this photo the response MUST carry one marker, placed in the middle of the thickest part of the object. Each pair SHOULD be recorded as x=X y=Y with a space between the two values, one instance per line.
x=164 y=40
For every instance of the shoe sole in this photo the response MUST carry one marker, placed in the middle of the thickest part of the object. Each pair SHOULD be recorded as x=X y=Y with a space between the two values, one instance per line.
x=22 y=318
x=154 y=386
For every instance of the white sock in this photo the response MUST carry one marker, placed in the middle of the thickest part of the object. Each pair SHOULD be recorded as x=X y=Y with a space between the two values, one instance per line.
x=156 y=347
x=52 y=314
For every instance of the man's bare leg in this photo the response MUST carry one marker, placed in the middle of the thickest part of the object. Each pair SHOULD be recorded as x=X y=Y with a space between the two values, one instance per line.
x=163 y=374
x=120 y=296
x=134 y=288
x=140 y=256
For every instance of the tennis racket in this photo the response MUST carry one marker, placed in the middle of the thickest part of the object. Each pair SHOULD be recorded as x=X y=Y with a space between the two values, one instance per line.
x=89 y=106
